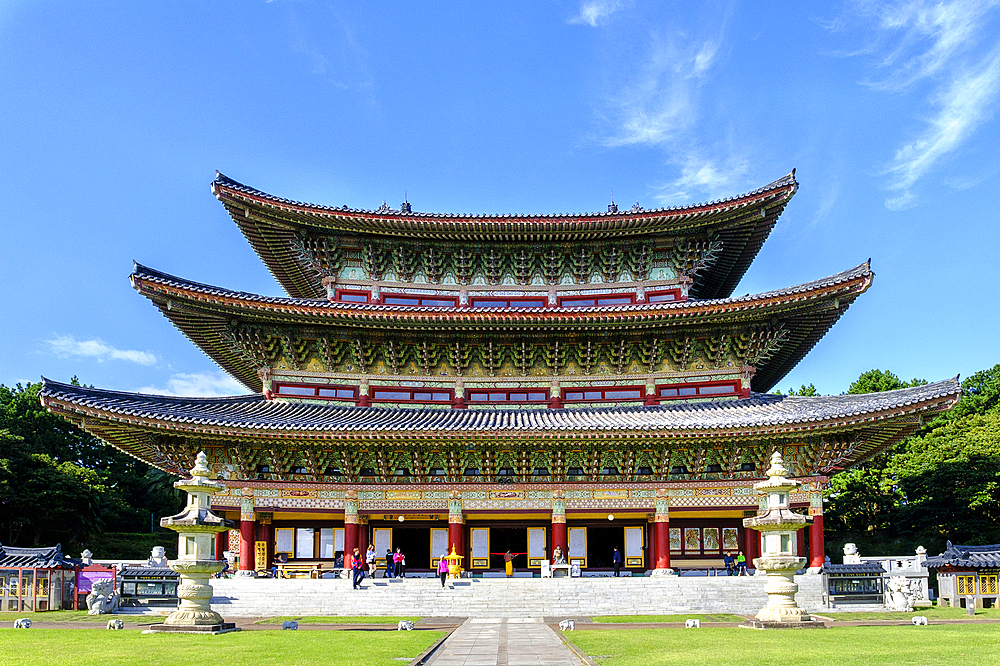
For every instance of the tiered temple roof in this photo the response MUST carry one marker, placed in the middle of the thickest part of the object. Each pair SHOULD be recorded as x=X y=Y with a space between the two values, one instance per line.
x=874 y=422
x=738 y=226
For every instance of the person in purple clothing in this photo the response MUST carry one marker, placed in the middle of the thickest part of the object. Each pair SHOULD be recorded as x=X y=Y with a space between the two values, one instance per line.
x=443 y=569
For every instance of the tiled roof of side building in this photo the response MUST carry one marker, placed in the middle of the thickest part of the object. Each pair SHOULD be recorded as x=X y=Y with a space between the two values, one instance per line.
x=972 y=557
x=758 y=413
x=739 y=225
x=38 y=558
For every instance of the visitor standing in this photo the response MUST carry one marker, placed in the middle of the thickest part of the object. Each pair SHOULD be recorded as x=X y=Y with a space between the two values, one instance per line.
x=741 y=564
x=358 y=567
x=370 y=560
x=400 y=561
x=390 y=564
x=508 y=563
x=616 y=560
x=442 y=569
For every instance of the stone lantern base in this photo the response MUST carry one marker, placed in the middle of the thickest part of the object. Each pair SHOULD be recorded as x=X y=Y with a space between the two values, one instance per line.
x=221 y=628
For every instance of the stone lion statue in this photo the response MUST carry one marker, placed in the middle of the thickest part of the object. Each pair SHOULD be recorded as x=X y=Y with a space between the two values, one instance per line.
x=102 y=598
x=901 y=593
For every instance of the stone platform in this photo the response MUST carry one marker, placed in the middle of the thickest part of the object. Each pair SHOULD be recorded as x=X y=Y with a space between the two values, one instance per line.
x=503 y=598
x=223 y=628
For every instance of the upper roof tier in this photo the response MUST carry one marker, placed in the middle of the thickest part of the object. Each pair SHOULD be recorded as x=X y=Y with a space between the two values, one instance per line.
x=788 y=321
x=280 y=229
x=127 y=419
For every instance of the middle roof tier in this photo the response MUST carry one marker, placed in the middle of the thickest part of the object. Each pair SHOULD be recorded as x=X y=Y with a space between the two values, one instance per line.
x=762 y=336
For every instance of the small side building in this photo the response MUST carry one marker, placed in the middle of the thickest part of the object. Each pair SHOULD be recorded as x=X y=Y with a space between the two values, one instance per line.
x=966 y=572
x=36 y=579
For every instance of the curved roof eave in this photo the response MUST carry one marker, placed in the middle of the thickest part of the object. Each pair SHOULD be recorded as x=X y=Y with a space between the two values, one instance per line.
x=270 y=223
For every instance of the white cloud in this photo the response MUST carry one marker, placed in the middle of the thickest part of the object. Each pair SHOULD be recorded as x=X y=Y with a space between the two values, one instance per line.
x=703 y=178
x=198 y=384
x=593 y=11
x=964 y=105
x=940 y=47
x=660 y=103
x=68 y=346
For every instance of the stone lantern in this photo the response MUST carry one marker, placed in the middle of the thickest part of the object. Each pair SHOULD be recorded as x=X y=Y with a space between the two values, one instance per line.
x=195 y=527
x=779 y=524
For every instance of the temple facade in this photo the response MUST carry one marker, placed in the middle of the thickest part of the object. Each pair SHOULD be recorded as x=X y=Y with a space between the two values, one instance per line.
x=510 y=382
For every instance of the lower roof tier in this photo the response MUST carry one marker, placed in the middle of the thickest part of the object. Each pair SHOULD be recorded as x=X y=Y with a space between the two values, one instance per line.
x=838 y=431
x=245 y=333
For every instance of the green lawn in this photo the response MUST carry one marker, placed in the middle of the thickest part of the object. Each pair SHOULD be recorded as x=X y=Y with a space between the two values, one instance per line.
x=32 y=647
x=843 y=646
x=628 y=619
x=7 y=619
x=329 y=619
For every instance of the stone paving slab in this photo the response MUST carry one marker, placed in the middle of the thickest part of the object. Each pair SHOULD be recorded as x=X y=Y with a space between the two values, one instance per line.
x=504 y=642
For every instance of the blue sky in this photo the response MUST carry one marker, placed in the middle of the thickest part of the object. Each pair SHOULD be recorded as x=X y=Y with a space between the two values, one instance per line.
x=115 y=116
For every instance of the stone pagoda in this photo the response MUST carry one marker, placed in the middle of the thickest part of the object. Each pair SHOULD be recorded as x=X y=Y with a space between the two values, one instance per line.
x=197 y=528
x=504 y=382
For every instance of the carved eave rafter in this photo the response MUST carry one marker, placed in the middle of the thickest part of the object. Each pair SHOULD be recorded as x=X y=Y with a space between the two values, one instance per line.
x=208 y=315
x=275 y=228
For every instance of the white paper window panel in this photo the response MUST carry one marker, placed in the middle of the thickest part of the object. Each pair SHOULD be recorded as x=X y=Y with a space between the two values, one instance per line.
x=578 y=542
x=536 y=542
x=338 y=540
x=327 y=541
x=284 y=538
x=382 y=538
x=633 y=542
x=304 y=542
x=439 y=542
x=480 y=542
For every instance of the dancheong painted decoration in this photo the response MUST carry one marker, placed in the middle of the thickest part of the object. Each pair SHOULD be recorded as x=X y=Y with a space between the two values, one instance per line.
x=503 y=382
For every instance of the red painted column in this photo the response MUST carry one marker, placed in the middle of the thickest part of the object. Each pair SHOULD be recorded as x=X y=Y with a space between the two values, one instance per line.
x=817 y=543
x=248 y=533
x=350 y=523
x=751 y=550
x=456 y=518
x=800 y=543
x=661 y=521
x=221 y=545
x=559 y=523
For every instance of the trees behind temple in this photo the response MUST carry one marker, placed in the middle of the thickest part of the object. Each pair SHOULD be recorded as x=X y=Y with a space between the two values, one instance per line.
x=59 y=484
x=942 y=483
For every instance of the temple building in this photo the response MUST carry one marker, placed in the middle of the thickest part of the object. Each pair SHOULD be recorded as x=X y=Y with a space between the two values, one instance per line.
x=495 y=382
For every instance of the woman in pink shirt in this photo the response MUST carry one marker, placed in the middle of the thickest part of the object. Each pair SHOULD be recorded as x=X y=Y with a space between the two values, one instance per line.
x=443 y=569
x=400 y=561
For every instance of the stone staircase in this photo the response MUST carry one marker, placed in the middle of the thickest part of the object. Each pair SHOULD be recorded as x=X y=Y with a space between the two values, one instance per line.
x=516 y=597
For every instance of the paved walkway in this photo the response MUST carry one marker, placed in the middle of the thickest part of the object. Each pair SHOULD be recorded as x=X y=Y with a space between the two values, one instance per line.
x=499 y=642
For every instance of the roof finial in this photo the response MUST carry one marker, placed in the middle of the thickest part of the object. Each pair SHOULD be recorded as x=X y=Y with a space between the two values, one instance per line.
x=405 y=206
x=613 y=207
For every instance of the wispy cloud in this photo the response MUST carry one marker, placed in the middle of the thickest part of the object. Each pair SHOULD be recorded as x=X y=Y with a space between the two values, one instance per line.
x=705 y=178
x=594 y=11
x=660 y=103
x=66 y=346
x=198 y=384
x=952 y=47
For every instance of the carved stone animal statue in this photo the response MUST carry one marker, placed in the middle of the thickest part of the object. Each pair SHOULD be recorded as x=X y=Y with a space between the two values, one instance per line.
x=102 y=598
x=692 y=624
x=918 y=620
x=900 y=594
x=22 y=623
x=404 y=624
x=293 y=625
x=116 y=624
x=567 y=625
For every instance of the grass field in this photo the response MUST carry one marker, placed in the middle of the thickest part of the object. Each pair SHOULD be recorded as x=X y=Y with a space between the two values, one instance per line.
x=843 y=646
x=7 y=619
x=246 y=648
x=932 y=613
x=629 y=619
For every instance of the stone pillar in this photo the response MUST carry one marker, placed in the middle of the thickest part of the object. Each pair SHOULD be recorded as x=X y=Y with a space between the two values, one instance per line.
x=661 y=524
x=559 y=523
x=248 y=534
x=455 y=521
x=350 y=523
x=817 y=544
